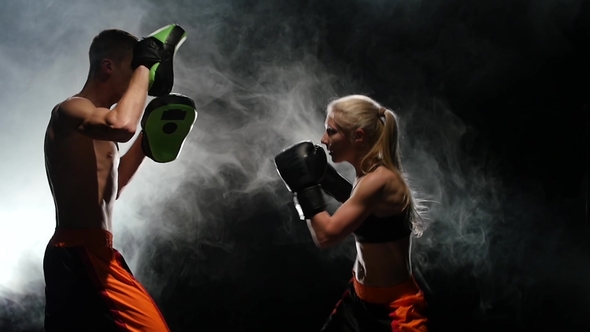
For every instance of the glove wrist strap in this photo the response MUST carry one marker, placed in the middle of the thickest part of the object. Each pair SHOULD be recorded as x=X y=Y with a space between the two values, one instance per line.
x=311 y=201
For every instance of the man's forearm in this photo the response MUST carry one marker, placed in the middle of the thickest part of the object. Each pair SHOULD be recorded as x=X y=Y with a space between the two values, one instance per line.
x=130 y=108
x=130 y=162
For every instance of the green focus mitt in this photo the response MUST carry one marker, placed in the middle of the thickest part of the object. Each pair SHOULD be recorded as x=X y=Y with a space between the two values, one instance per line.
x=166 y=123
x=156 y=52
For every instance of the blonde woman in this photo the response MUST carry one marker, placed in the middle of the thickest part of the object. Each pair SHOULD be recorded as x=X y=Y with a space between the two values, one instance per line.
x=379 y=211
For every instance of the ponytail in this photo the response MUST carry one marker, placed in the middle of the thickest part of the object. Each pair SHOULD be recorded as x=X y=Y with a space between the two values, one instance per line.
x=385 y=151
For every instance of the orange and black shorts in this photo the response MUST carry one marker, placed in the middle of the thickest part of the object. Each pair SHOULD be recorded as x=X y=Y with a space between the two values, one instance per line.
x=89 y=287
x=392 y=309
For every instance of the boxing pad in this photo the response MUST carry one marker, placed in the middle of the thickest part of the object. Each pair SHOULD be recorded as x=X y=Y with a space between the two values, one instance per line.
x=156 y=52
x=166 y=123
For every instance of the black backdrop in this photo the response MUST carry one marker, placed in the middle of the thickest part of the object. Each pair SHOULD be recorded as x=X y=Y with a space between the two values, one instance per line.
x=514 y=73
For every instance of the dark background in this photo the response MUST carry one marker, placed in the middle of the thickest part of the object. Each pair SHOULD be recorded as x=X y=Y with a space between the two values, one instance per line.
x=493 y=99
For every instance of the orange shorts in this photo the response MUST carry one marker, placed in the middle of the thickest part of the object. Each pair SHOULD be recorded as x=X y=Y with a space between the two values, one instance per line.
x=89 y=286
x=396 y=309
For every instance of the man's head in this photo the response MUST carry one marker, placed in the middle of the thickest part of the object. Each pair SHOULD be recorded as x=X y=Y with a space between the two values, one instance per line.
x=110 y=56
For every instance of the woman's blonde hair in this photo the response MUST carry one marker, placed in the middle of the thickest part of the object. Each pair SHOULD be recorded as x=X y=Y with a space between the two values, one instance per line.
x=380 y=126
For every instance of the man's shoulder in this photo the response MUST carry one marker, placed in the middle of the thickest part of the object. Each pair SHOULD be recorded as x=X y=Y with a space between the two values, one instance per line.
x=70 y=109
x=59 y=114
x=73 y=102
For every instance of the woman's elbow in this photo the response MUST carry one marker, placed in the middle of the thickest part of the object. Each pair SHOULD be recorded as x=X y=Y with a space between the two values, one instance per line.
x=326 y=240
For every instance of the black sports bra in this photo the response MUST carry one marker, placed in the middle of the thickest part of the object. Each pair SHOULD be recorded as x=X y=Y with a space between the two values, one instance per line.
x=384 y=229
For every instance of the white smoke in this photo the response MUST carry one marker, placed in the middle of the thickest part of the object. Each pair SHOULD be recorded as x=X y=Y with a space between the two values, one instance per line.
x=260 y=84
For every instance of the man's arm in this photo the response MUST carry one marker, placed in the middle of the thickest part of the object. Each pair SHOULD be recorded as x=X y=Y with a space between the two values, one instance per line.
x=328 y=230
x=101 y=123
x=129 y=163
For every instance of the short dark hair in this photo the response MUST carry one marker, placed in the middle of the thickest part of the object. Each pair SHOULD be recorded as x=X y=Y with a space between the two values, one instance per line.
x=113 y=44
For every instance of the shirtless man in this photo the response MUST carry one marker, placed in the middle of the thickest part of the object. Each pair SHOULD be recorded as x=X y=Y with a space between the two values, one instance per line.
x=89 y=287
x=379 y=211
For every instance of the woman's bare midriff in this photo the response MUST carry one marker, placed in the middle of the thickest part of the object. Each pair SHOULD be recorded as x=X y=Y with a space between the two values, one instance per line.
x=383 y=264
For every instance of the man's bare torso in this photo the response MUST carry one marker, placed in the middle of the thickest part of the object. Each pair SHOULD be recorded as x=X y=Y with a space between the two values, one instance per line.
x=82 y=174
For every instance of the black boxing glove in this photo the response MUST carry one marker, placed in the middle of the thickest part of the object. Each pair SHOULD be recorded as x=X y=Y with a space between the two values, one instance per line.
x=156 y=52
x=336 y=185
x=301 y=167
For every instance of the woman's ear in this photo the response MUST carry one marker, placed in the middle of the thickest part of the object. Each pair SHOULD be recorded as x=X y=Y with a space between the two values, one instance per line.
x=359 y=136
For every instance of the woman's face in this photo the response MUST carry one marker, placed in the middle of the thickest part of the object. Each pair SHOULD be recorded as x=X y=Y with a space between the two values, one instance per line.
x=337 y=143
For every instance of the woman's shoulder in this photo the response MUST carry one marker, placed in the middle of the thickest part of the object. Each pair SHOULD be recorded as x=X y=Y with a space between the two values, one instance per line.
x=393 y=180
x=387 y=175
x=386 y=184
x=381 y=177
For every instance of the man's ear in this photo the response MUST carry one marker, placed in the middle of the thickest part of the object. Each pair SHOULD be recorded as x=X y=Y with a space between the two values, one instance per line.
x=106 y=67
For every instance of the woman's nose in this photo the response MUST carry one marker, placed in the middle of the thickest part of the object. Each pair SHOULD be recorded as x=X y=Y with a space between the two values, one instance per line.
x=324 y=139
